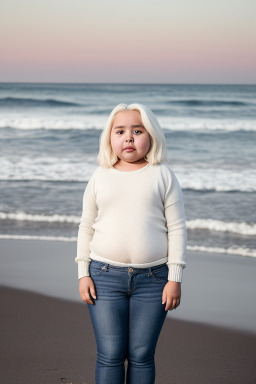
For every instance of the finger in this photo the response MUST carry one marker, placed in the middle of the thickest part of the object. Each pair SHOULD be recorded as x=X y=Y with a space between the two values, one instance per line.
x=82 y=294
x=93 y=293
x=178 y=303
x=163 y=297
x=83 y=297
x=168 y=304
x=173 y=302
x=88 y=299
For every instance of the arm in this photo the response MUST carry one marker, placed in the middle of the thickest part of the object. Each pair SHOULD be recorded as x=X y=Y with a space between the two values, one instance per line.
x=85 y=235
x=86 y=231
x=177 y=240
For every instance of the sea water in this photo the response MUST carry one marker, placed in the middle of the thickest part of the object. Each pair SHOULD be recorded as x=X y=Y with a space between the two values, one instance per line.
x=49 y=141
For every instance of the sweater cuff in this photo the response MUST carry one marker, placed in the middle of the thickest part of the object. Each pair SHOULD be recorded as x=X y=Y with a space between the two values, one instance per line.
x=83 y=269
x=175 y=273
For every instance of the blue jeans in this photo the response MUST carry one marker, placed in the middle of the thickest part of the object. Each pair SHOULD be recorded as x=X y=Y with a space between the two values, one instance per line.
x=127 y=319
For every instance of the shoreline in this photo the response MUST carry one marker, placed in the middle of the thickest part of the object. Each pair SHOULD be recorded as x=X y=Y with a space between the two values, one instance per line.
x=212 y=287
x=49 y=340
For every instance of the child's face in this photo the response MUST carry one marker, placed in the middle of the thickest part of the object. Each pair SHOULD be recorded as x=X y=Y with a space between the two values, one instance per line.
x=128 y=131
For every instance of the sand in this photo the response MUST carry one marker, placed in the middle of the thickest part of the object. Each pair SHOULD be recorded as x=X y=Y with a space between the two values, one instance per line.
x=46 y=340
x=216 y=289
x=47 y=336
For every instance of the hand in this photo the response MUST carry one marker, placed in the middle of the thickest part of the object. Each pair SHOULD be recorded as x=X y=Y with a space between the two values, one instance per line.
x=171 y=295
x=87 y=287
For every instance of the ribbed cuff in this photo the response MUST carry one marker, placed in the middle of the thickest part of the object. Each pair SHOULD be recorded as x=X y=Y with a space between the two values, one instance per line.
x=83 y=269
x=175 y=273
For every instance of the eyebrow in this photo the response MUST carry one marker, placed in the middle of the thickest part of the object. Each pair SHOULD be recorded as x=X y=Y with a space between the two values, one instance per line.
x=133 y=126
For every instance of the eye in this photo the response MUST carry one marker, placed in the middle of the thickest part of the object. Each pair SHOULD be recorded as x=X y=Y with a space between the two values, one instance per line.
x=137 y=132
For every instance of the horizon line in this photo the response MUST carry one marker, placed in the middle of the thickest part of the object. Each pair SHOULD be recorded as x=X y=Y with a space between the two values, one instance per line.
x=115 y=83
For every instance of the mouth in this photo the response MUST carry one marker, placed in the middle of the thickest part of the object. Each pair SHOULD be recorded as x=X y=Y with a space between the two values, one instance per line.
x=129 y=149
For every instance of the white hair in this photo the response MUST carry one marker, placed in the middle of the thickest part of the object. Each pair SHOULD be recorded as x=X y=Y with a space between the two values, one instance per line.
x=157 y=152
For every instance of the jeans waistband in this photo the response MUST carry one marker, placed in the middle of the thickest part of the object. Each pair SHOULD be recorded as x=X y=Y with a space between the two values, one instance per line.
x=126 y=269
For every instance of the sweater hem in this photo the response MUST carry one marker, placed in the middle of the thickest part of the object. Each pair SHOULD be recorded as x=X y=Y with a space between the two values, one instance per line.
x=119 y=264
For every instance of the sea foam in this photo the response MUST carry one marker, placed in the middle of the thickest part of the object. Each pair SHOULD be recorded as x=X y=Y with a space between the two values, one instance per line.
x=80 y=169
x=239 y=251
x=90 y=121
x=222 y=226
x=240 y=228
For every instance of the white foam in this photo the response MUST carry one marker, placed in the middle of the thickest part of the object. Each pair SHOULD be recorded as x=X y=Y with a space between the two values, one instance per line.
x=47 y=168
x=85 y=122
x=222 y=226
x=196 y=124
x=240 y=251
x=219 y=180
x=208 y=224
x=80 y=169
x=47 y=238
x=22 y=216
x=26 y=123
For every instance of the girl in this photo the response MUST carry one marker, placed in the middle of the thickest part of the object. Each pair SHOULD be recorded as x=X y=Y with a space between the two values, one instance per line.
x=131 y=245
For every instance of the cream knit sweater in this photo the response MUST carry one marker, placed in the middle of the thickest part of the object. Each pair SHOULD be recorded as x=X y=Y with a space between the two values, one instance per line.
x=133 y=219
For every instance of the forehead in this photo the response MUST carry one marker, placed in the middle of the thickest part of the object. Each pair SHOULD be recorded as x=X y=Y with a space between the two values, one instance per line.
x=126 y=117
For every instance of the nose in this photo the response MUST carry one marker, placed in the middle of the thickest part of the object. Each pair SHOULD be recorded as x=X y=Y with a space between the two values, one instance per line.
x=129 y=139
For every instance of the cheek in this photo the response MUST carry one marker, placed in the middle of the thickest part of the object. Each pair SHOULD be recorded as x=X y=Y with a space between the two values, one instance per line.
x=114 y=142
x=146 y=143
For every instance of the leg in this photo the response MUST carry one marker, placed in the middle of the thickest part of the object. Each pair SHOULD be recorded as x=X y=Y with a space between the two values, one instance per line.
x=109 y=316
x=146 y=318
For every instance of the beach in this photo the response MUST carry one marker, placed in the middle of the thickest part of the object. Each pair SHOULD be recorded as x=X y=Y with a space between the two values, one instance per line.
x=216 y=289
x=47 y=336
x=49 y=143
x=48 y=340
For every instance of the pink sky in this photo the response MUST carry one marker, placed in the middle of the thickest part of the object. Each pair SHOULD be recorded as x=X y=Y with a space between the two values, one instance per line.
x=136 y=41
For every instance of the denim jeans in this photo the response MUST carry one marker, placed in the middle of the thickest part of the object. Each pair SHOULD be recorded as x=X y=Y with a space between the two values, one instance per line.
x=127 y=318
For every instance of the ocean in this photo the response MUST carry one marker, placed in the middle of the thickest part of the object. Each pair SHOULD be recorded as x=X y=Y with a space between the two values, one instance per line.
x=49 y=140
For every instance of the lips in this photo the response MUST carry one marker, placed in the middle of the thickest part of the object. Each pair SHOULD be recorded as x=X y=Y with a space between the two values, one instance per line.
x=129 y=148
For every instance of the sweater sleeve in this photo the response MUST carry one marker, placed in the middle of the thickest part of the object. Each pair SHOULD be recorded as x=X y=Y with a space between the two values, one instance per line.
x=176 y=226
x=86 y=231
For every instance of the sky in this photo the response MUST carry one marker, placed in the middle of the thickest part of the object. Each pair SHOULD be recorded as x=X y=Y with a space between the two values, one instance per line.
x=135 y=41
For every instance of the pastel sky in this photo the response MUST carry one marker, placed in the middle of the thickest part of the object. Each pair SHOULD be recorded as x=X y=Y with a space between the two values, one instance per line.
x=128 y=41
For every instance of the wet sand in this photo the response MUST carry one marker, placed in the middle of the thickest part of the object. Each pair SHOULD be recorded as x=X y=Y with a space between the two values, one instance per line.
x=216 y=289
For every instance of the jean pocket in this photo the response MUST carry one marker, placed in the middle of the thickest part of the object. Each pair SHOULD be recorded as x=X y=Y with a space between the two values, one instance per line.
x=96 y=269
x=161 y=274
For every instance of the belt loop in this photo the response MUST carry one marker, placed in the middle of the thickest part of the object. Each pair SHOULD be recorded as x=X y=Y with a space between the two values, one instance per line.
x=149 y=272
x=107 y=267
